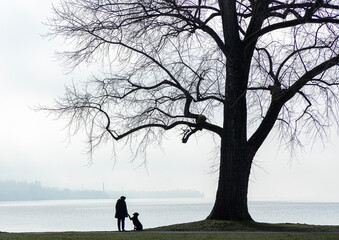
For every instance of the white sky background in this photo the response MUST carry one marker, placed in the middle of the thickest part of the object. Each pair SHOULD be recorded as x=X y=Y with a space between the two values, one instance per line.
x=34 y=147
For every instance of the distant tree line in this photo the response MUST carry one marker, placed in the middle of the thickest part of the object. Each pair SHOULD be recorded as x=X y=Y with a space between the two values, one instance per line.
x=25 y=191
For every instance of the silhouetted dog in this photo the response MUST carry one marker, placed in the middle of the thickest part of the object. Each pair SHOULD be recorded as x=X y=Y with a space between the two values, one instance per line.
x=137 y=224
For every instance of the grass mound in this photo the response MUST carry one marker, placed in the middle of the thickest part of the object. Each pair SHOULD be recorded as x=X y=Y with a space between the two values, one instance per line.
x=245 y=226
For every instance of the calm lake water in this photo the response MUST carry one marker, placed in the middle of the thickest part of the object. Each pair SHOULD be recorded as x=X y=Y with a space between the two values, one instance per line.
x=98 y=215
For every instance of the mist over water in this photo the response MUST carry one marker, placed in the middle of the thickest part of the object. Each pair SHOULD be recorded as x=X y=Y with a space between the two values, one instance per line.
x=98 y=215
x=317 y=213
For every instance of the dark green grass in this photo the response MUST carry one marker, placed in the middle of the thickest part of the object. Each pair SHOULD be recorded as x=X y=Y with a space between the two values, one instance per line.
x=246 y=226
x=202 y=230
x=172 y=236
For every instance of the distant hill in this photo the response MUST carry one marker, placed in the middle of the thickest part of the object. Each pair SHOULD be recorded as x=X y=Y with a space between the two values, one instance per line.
x=24 y=191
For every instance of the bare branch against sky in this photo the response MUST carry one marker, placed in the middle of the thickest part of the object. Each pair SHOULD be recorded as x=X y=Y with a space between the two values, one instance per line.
x=35 y=147
x=195 y=66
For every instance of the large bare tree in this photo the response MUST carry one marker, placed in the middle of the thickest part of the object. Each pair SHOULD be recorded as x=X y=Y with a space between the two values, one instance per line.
x=234 y=68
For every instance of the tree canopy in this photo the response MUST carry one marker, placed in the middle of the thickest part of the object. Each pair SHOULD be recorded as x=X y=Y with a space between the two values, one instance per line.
x=234 y=68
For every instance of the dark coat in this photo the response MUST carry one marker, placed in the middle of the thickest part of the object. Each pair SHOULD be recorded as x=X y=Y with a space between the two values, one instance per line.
x=121 y=209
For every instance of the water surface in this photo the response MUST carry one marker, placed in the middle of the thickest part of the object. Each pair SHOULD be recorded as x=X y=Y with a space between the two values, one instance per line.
x=98 y=215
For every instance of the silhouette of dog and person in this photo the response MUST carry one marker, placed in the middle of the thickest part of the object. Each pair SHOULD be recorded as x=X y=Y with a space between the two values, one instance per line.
x=121 y=213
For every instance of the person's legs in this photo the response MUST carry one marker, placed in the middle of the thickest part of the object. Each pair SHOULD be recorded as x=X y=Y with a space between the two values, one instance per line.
x=119 y=223
x=123 y=224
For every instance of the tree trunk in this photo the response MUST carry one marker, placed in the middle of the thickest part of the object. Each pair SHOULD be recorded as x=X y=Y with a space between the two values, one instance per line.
x=235 y=160
x=231 y=198
x=234 y=171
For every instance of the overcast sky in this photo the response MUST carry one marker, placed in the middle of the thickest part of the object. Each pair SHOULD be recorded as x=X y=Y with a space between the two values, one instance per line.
x=34 y=147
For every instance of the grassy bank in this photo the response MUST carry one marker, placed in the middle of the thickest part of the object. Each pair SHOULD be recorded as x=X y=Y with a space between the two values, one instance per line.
x=246 y=226
x=172 y=236
x=202 y=230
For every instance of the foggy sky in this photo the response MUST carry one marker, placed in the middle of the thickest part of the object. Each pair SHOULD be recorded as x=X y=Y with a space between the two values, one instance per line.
x=35 y=147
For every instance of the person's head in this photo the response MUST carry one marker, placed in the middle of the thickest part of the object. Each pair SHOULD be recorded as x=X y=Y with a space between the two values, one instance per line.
x=136 y=214
x=123 y=198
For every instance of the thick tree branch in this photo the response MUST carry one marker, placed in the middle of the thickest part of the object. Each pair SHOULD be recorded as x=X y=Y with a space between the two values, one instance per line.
x=292 y=23
x=259 y=13
x=280 y=98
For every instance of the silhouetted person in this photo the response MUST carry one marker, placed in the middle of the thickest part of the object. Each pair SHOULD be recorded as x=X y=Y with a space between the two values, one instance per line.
x=137 y=224
x=121 y=212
